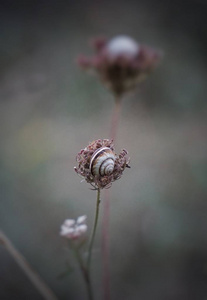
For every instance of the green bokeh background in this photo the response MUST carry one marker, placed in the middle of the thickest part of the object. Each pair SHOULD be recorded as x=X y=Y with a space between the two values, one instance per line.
x=50 y=109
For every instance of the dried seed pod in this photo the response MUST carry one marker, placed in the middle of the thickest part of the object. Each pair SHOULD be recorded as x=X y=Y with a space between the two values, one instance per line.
x=100 y=165
x=121 y=63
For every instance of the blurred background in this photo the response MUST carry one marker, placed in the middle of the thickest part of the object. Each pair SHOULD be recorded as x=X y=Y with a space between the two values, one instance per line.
x=50 y=109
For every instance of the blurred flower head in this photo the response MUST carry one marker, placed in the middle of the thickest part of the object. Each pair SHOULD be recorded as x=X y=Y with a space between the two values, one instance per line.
x=121 y=62
x=74 y=229
x=99 y=165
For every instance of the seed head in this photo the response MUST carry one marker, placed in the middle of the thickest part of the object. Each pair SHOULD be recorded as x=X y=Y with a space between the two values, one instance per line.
x=121 y=63
x=99 y=165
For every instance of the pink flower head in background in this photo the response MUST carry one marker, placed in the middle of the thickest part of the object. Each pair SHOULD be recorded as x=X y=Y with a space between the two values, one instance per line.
x=121 y=62
x=99 y=165
x=74 y=229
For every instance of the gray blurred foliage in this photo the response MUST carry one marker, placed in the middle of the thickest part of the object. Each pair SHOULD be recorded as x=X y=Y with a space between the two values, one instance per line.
x=50 y=109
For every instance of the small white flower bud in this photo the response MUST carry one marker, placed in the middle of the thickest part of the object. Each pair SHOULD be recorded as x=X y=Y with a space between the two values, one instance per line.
x=82 y=228
x=81 y=219
x=69 y=222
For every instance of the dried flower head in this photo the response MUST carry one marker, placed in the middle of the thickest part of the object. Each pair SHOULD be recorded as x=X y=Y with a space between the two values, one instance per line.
x=72 y=229
x=121 y=63
x=99 y=165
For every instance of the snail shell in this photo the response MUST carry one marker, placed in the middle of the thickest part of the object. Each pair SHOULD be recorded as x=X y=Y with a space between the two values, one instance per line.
x=102 y=162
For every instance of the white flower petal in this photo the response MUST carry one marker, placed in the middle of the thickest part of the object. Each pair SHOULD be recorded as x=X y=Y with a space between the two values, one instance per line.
x=81 y=219
x=66 y=230
x=69 y=222
x=82 y=228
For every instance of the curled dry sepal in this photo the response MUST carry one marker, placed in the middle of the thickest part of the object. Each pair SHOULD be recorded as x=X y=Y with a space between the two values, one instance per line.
x=121 y=62
x=74 y=229
x=99 y=165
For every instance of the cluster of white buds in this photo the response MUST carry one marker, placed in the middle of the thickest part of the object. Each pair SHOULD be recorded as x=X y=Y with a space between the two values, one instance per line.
x=74 y=229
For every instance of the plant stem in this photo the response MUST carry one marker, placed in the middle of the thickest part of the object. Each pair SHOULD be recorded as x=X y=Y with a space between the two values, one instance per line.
x=105 y=246
x=115 y=118
x=106 y=210
x=84 y=271
x=44 y=290
x=94 y=231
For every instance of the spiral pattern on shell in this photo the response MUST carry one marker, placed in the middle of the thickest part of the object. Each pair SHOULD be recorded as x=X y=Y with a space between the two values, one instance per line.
x=102 y=162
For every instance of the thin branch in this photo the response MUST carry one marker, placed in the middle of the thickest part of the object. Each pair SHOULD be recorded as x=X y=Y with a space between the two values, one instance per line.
x=84 y=270
x=106 y=209
x=94 y=231
x=105 y=245
x=43 y=289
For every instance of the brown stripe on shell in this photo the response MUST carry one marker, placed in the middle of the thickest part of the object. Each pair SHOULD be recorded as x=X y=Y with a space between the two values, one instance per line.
x=103 y=162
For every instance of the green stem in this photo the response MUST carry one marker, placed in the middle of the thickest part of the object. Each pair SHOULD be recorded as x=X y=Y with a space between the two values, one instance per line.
x=94 y=231
x=105 y=245
x=84 y=271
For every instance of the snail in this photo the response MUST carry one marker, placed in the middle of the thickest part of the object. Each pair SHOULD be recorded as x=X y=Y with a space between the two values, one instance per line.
x=102 y=162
